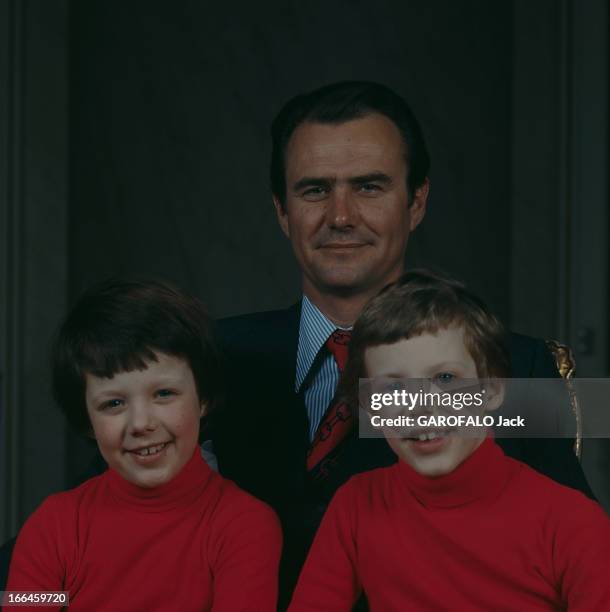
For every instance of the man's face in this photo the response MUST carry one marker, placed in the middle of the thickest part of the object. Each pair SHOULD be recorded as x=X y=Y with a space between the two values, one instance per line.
x=347 y=212
x=443 y=358
x=146 y=423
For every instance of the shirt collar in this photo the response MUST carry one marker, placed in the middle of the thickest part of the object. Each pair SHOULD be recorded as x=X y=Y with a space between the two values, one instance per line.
x=314 y=330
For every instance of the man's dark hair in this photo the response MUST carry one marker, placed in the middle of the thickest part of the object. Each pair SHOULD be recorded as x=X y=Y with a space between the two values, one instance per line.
x=341 y=102
x=118 y=326
x=422 y=302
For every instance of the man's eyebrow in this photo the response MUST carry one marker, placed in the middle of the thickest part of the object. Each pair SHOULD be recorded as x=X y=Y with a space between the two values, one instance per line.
x=321 y=181
x=312 y=181
x=373 y=177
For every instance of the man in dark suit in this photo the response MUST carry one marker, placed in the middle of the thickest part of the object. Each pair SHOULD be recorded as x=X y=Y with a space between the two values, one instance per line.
x=349 y=176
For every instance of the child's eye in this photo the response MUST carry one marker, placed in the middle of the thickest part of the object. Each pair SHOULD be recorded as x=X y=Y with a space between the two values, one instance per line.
x=444 y=378
x=112 y=403
x=165 y=393
x=396 y=385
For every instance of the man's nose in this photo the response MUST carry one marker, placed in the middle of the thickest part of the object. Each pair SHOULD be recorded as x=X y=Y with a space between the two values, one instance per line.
x=142 y=417
x=341 y=209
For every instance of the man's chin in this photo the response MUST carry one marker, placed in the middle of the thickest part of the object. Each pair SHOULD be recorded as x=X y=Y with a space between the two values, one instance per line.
x=342 y=280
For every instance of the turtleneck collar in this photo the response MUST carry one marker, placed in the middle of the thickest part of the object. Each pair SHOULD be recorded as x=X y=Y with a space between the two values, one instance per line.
x=480 y=476
x=182 y=490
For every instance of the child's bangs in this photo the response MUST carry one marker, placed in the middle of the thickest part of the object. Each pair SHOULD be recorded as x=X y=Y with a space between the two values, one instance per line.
x=107 y=359
x=434 y=317
x=426 y=311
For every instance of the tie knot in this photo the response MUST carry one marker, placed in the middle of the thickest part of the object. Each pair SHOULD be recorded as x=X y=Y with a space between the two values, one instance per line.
x=337 y=344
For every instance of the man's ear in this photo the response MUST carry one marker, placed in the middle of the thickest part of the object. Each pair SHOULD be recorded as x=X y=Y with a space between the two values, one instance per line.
x=494 y=393
x=282 y=216
x=417 y=208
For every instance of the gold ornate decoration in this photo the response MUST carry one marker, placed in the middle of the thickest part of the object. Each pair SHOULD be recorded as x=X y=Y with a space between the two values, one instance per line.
x=567 y=366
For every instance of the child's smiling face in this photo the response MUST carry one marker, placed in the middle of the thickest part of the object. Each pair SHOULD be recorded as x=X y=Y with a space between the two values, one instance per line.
x=146 y=422
x=440 y=357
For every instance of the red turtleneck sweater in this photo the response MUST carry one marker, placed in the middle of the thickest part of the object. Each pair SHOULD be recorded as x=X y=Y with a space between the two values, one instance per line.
x=492 y=535
x=195 y=543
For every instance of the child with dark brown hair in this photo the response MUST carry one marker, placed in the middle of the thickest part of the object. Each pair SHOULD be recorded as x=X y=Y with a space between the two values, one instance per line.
x=136 y=367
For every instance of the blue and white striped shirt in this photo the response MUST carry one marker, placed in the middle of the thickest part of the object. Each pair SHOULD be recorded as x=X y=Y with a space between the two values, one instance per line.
x=317 y=372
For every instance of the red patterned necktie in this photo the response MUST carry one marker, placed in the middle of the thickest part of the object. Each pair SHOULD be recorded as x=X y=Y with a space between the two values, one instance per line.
x=338 y=421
